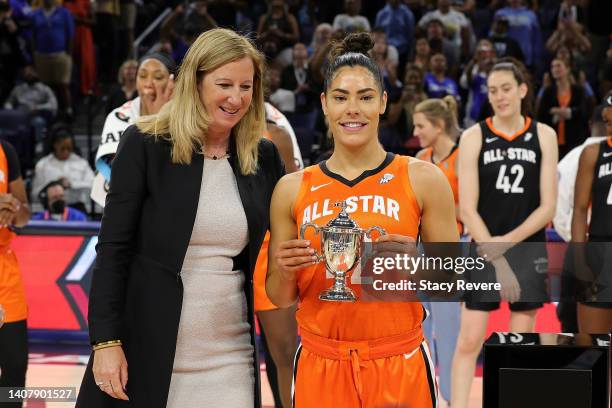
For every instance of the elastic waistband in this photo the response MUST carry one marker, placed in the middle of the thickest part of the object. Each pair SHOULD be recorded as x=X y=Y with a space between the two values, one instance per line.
x=366 y=349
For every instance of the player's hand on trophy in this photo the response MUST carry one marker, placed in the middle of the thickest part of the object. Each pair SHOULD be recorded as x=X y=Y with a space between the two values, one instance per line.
x=110 y=371
x=293 y=256
x=510 y=287
x=392 y=244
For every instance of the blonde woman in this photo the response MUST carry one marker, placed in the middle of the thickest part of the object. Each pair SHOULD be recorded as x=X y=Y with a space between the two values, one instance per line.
x=171 y=297
x=435 y=125
x=125 y=89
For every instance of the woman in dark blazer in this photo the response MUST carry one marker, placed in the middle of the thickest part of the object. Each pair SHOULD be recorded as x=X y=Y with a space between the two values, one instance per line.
x=564 y=107
x=216 y=116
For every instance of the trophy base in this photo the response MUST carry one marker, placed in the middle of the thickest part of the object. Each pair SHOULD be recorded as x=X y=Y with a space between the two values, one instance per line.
x=335 y=295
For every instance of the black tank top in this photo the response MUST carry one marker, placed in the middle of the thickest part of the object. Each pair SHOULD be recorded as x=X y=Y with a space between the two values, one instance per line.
x=601 y=197
x=509 y=178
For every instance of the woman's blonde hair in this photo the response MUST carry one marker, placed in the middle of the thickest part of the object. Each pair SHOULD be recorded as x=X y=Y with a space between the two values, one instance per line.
x=183 y=120
x=444 y=110
x=122 y=69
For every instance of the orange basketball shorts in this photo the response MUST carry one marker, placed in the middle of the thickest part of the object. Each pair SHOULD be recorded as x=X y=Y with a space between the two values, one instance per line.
x=383 y=373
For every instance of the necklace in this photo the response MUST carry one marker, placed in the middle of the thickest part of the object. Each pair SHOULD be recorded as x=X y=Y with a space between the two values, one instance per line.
x=215 y=157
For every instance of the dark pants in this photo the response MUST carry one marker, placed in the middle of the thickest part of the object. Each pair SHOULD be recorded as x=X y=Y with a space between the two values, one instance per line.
x=13 y=357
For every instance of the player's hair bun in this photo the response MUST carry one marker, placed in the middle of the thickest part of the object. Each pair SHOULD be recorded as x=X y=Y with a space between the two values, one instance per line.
x=360 y=43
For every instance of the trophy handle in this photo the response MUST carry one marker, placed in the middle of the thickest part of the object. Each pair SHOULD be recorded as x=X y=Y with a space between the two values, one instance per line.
x=317 y=229
x=380 y=231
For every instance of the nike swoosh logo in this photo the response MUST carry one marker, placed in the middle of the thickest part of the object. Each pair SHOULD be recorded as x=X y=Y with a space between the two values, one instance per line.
x=491 y=139
x=607 y=154
x=315 y=188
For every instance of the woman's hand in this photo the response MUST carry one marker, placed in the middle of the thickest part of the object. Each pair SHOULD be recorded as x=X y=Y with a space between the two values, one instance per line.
x=294 y=255
x=392 y=244
x=153 y=101
x=9 y=206
x=494 y=248
x=110 y=371
x=510 y=287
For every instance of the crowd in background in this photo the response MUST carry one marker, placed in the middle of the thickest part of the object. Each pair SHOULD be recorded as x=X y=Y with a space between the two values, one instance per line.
x=54 y=54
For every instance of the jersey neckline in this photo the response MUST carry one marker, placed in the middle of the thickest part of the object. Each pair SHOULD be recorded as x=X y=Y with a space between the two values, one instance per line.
x=431 y=159
x=509 y=138
x=351 y=183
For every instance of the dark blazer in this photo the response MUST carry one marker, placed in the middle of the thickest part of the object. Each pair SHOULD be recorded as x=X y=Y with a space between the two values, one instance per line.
x=136 y=292
x=576 y=128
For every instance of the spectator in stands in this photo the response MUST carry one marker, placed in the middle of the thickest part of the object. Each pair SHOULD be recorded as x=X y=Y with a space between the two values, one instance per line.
x=351 y=21
x=107 y=38
x=154 y=84
x=277 y=29
x=125 y=90
x=11 y=58
x=437 y=83
x=563 y=107
x=456 y=25
x=320 y=38
x=65 y=165
x=308 y=19
x=569 y=33
x=474 y=79
x=127 y=22
x=20 y=14
x=505 y=46
x=422 y=53
x=35 y=98
x=282 y=99
x=578 y=76
x=53 y=199
x=439 y=43
x=524 y=28
x=53 y=29
x=319 y=58
x=297 y=77
x=183 y=26
x=386 y=57
x=401 y=110
x=84 y=52
x=398 y=23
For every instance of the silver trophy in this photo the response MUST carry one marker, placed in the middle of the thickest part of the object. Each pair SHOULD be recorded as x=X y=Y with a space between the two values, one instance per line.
x=340 y=249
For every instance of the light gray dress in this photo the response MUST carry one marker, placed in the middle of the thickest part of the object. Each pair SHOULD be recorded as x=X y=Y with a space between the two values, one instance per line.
x=213 y=365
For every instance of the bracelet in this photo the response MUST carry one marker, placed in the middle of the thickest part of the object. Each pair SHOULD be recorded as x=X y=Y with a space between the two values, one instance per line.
x=106 y=344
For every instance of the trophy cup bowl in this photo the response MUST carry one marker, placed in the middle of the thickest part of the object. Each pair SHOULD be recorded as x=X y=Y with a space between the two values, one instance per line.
x=341 y=241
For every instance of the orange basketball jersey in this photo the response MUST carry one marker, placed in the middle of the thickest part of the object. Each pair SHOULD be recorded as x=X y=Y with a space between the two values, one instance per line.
x=380 y=197
x=12 y=295
x=448 y=166
x=261 y=299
